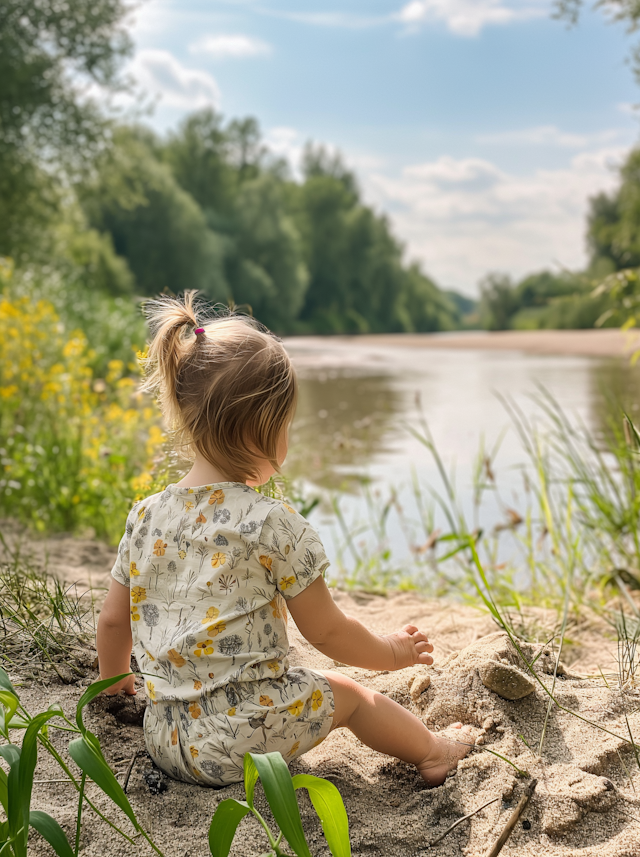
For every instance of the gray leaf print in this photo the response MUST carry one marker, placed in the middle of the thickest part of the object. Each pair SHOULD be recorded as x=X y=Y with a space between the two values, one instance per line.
x=221 y=541
x=150 y=614
x=213 y=769
x=230 y=645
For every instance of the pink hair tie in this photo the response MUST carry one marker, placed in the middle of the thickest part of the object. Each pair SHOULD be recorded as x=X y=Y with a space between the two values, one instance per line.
x=199 y=330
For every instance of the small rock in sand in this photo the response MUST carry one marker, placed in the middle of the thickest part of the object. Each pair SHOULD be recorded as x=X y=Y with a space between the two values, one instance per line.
x=418 y=686
x=507 y=681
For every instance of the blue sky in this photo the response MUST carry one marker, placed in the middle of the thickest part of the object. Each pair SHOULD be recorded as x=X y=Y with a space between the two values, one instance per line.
x=479 y=126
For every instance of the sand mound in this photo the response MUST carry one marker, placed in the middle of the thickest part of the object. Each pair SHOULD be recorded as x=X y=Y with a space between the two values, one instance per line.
x=584 y=803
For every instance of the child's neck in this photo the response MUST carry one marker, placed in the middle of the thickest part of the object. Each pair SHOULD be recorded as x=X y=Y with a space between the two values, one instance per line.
x=203 y=473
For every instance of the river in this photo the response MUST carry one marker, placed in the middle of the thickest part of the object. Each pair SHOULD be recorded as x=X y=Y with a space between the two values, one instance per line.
x=358 y=400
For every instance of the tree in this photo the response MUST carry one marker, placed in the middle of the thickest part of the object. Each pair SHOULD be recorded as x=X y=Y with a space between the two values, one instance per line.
x=49 y=52
x=498 y=301
x=158 y=227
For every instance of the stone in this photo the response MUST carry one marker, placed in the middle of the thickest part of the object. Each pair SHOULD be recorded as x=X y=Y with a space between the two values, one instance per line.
x=505 y=680
x=418 y=686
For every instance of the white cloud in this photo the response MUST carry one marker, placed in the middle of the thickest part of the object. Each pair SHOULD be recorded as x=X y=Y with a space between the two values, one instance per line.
x=469 y=17
x=164 y=77
x=231 y=46
x=464 y=217
x=549 y=135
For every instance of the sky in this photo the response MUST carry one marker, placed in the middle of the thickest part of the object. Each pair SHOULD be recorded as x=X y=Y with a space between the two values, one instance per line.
x=479 y=127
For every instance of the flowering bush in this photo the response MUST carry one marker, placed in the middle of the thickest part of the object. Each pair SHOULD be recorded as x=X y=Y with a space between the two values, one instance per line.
x=75 y=449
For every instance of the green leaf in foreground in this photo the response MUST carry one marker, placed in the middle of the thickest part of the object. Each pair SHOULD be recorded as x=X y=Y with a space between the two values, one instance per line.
x=87 y=755
x=5 y=682
x=250 y=778
x=50 y=830
x=327 y=802
x=91 y=692
x=279 y=791
x=228 y=815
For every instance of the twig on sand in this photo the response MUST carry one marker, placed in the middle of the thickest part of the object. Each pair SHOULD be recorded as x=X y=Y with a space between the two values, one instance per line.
x=459 y=821
x=129 y=769
x=515 y=815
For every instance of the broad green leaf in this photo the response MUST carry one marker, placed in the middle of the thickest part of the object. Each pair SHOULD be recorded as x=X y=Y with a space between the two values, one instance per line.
x=91 y=692
x=9 y=702
x=279 y=791
x=50 y=830
x=327 y=802
x=28 y=759
x=18 y=722
x=4 y=791
x=5 y=682
x=250 y=778
x=87 y=755
x=11 y=754
x=228 y=815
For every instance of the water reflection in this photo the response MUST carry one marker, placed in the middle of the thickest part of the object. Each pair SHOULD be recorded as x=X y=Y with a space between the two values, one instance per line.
x=345 y=419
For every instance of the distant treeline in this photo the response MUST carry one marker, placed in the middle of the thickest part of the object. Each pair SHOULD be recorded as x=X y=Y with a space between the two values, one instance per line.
x=113 y=208
x=111 y=211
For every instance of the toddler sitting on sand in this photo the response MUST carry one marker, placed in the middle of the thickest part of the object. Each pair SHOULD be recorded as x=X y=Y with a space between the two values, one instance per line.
x=207 y=568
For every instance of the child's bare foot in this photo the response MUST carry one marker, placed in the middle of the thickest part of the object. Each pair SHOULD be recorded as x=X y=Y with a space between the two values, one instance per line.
x=448 y=747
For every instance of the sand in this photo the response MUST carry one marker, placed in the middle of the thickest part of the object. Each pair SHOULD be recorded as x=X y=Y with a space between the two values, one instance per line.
x=584 y=803
x=609 y=342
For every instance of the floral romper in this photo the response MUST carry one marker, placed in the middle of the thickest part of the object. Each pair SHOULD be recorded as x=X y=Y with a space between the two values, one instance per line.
x=209 y=569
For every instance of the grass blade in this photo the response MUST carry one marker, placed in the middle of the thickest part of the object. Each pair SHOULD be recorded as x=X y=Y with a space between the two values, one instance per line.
x=87 y=755
x=328 y=803
x=91 y=692
x=228 y=815
x=278 y=788
x=50 y=830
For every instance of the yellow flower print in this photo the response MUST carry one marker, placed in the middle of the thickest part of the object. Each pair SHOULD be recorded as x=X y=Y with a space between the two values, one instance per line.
x=197 y=685
x=151 y=690
x=316 y=699
x=182 y=554
x=160 y=548
x=276 y=608
x=212 y=613
x=289 y=508
x=294 y=749
x=149 y=655
x=266 y=561
x=216 y=629
x=231 y=712
x=176 y=658
x=205 y=648
x=138 y=594
x=295 y=709
x=274 y=666
x=174 y=736
x=266 y=700
x=218 y=559
x=194 y=710
x=189 y=505
x=286 y=582
x=135 y=616
x=216 y=497
x=194 y=752
x=141 y=513
x=133 y=570
x=201 y=519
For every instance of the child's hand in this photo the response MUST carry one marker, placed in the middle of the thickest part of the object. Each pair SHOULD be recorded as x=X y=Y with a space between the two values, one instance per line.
x=127 y=684
x=409 y=646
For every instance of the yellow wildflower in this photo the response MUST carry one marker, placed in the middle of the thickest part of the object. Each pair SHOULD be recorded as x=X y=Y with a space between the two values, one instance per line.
x=316 y=699
x=212 y=613
x=205 y=648
x=218 y=559
x=138 y=594
x=295 y=709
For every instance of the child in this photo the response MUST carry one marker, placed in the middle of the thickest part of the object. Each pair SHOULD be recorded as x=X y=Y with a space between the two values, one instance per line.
x=208 y=567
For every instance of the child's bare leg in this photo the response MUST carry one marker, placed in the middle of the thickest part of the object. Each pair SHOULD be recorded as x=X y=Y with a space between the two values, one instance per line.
x=387 y=727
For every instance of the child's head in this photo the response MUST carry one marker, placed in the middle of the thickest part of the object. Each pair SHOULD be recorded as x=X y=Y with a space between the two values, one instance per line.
x=228 y=392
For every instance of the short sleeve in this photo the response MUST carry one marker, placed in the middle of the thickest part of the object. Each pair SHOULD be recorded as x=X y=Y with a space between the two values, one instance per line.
x=122 y=565
x=293 y=552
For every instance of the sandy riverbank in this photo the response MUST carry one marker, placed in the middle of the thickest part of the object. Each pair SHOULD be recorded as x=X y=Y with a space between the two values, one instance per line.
x=588 y=343
x=586 y=802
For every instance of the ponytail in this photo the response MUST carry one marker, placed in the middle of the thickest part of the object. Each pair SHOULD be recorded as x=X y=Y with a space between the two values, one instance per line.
x=167 y=318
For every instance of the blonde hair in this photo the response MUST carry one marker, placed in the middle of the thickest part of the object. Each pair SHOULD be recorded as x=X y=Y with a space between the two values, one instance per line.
x=227 y=392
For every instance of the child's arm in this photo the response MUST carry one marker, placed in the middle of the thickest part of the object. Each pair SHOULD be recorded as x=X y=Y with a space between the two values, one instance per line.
x=325 y=626
x=113 y=638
